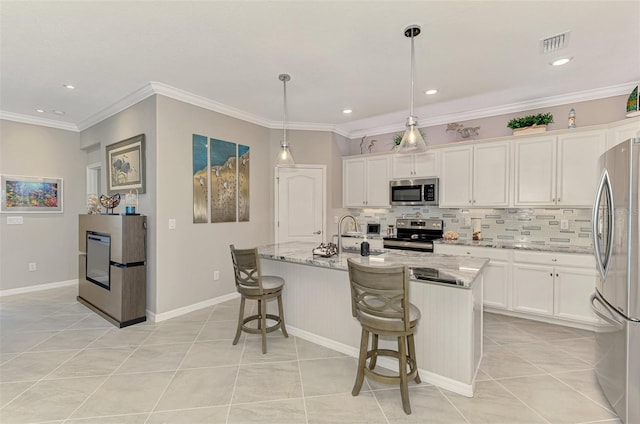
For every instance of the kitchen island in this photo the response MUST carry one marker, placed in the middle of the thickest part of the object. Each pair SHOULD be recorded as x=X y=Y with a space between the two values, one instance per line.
x=317 y=307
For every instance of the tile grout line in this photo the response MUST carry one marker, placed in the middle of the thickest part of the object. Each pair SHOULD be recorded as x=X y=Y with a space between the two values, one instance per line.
x=235 y=382
x=175 y=372
x=109 y=375
x=304 y=401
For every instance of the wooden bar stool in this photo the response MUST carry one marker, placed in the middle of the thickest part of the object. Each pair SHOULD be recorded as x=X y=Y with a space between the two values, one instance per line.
x=254 y=286
x=380 y=302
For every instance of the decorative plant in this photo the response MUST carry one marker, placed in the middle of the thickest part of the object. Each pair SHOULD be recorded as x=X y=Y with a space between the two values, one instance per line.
x=531 y=120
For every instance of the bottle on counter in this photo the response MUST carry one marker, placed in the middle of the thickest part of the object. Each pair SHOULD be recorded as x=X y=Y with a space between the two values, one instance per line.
x=572 y=118
x=364 y=247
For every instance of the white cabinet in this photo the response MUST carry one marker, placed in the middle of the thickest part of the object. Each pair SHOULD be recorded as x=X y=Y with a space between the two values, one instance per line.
x=497 y=273
x=622 y=131
x=475 y=176
x=535 y=171
x=578 y=169
x=554 y=284
x=558 y=170
x=533 y=288
x=366 y=182
x=417 y=165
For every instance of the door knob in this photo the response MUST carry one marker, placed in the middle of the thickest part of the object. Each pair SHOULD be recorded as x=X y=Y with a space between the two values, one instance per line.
x=317 y=232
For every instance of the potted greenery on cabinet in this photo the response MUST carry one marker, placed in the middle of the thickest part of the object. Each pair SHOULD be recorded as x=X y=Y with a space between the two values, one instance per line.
x=530 y=124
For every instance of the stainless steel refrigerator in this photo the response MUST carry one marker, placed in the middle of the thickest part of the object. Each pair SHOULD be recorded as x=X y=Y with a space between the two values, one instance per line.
x=616 y=224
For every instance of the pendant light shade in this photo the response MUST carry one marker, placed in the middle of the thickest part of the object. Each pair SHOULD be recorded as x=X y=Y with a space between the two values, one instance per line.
x=412 y=141
x=284 y=155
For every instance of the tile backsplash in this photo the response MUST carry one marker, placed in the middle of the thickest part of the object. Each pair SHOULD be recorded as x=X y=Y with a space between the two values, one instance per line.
x=536 y=226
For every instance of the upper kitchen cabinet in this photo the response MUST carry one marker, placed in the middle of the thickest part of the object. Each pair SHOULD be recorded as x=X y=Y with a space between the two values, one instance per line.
x=417 y=165
x=475 y=176
x=578 y=169
x=366 y=182
x=558 y=170
x=625 y=130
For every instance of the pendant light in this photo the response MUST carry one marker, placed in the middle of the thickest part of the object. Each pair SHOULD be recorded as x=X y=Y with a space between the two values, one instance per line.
x=412 y=140
x=284 y=155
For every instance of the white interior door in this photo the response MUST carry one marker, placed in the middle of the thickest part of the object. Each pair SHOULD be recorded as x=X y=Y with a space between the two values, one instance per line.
x=300 y=204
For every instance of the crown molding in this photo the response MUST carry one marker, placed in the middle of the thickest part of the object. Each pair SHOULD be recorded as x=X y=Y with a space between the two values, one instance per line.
x=26 y=119
x=137 y=96
x=368 y=126
x=580 y=96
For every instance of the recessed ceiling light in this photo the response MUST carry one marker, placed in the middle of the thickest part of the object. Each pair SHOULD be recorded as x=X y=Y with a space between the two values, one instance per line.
x=561 y=61
x=40 y=110
x=430 y=92
x=347 y=111
x=69 y=86
x=58 y=112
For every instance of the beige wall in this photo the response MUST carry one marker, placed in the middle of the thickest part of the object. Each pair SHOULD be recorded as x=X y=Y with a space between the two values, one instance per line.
x=137 y=119
x=593 y=112
x=188 y=256
x=50 y=240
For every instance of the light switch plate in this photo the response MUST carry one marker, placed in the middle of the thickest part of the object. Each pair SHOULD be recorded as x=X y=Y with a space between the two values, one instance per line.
x=172 y=224
x=14 y=220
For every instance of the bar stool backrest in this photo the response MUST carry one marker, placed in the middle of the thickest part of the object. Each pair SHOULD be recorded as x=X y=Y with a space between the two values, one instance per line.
x=380 y=296
x=246 y=266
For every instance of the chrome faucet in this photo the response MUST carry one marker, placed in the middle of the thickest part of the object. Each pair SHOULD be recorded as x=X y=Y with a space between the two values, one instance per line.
x=342 y=218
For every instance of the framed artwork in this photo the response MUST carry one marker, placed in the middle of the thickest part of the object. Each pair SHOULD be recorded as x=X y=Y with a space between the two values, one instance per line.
x=221 y=178
x=223 y=160
x=200 y=179
x=31 y=194
x=126 y=166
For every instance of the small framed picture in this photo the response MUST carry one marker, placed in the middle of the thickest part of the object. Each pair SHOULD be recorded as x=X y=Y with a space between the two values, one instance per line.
x=31 y=194
x=126 y=166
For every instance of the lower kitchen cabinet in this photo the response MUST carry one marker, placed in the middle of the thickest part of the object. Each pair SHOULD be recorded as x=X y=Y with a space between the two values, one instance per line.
x=548 y=286
x=533 y=288
x=497 y=272
x=557 y=285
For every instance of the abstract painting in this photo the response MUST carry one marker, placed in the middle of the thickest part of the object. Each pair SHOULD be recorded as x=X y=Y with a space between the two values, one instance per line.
x=31 y=194
x=223 y=162
x=243 y=183
x=200 y=179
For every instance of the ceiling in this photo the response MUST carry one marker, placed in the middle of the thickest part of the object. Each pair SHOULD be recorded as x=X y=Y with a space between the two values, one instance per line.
x=340 y=54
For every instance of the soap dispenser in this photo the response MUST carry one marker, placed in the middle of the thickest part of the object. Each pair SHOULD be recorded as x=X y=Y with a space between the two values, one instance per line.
x=364 y=247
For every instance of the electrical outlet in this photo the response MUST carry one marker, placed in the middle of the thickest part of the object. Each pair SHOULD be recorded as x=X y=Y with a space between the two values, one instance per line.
x=216 y=275
x=172 y=224
x=33 y=266
x=564 y=224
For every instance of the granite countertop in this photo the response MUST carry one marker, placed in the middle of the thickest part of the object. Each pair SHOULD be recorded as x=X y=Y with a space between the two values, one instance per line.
x=537 y=247
x=464 y=268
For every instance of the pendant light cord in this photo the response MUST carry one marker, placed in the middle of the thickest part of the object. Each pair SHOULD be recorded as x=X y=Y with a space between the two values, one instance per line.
x=284 y=122
x=412 y=85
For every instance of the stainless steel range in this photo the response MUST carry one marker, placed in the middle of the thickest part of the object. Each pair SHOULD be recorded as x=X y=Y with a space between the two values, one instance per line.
x=415 y=234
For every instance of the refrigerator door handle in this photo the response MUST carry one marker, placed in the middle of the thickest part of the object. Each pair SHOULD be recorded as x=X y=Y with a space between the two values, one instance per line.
x=605 y=184
x=606 y=317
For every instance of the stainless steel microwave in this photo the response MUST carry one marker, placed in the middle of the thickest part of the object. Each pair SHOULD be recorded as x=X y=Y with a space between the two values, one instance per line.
x=413 y=192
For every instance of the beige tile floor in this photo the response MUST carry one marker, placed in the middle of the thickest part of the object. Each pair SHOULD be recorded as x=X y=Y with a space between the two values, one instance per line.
x=61 y=363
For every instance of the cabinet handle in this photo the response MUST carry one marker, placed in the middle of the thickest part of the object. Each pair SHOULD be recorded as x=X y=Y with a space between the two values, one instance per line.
x=557 y=275
x=554 y=260
x=469 y=200
x=558 y=200
x=551 y=275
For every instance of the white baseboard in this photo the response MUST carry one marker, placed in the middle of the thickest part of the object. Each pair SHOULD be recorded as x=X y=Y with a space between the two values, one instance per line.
x=190 y=308
x=543 y=318
x=39 y=287
x=426 y=376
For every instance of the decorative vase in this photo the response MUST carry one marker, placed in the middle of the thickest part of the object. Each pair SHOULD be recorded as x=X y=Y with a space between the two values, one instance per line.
x=534 y=129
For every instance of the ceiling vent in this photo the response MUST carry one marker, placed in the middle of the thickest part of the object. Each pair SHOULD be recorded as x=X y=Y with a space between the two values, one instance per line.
x=552 y=44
